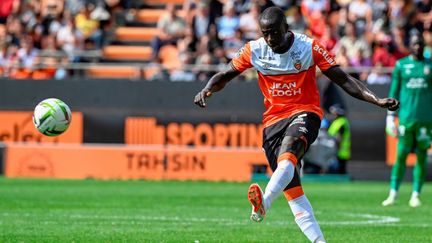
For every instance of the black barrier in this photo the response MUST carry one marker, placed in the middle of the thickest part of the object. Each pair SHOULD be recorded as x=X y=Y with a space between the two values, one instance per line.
x=106 y=104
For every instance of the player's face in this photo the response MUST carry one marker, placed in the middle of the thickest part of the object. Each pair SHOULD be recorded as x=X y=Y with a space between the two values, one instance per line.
x=274 y=35
x=417 y=47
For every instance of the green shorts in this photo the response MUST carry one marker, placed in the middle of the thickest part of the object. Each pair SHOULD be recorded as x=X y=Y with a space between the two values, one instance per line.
x=415 y=136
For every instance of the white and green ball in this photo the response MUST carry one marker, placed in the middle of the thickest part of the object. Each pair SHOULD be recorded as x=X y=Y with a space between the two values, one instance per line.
x=52 y=117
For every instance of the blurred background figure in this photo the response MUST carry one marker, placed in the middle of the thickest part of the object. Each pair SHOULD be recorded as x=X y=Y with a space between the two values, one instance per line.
x=322 y=153
x=340 y=130
x=412 y=84
x=171 y=28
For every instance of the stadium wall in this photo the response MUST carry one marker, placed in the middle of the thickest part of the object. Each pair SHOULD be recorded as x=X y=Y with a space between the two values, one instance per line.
x=106 y=105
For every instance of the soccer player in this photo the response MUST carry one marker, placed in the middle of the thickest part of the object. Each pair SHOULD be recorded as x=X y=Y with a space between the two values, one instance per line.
x=286 y=64
x=412 y=84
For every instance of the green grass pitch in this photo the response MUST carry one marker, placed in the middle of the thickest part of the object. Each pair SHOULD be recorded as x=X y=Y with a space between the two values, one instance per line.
x=169 y=211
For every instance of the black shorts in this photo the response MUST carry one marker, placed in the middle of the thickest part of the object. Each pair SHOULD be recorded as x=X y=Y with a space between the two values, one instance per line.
x=304 y=125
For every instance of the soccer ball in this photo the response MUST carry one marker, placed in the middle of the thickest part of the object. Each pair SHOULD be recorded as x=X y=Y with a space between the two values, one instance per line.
x=52 y=117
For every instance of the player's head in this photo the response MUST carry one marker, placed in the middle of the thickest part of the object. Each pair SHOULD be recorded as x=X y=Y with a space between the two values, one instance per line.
x=416 y=45
x=274 y=27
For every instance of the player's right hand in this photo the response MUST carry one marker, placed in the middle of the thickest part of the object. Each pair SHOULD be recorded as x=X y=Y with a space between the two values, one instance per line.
x=201 y=97
x=391 y=128
x=389 y=103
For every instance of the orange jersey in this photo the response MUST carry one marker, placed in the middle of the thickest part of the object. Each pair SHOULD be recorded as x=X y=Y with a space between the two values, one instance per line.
x=288 y=80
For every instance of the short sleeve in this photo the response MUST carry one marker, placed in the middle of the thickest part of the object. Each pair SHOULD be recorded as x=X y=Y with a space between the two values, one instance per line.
x=322 y=58
x=242 y=59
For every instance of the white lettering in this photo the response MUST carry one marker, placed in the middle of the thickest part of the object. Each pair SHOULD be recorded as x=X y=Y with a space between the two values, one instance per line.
x=417 y=83
x=280 y=92
x=325 y=54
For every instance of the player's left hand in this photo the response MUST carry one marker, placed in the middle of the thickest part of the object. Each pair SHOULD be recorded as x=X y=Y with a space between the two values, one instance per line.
x=389 y=103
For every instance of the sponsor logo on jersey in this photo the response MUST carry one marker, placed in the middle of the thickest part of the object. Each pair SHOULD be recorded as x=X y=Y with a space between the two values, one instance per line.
x=303 y=129
x=297 y=65
x=295 y=55
x=409 y=65
x=325 y=54
x=269 y=58
x=416 y=83
x=298 y=120
x=239 y=52
x=284 y=89
x=266 y=66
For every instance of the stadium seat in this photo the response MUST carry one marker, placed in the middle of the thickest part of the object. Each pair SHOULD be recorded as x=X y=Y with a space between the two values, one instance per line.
x=135 y=33
x=150 y=15
x=153 y=15
x=133 y=53
x=114 y=72
x=169 y=56
x=162 y=2
x=148 y=72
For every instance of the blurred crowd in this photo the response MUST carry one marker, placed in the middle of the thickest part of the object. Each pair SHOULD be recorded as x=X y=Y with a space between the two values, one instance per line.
x=51 y=33
x=362 y=33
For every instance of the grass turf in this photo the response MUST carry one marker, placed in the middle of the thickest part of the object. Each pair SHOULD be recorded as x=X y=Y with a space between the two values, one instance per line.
x=148 y=211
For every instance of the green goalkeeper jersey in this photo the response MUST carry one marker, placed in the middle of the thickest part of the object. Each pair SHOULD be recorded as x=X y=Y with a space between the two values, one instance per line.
x=412 y=86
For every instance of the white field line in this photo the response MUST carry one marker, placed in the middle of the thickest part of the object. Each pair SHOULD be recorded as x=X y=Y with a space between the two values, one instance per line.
x=358 y=219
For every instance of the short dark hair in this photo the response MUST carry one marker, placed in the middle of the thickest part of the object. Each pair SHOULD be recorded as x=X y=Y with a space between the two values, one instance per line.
x=273 y=15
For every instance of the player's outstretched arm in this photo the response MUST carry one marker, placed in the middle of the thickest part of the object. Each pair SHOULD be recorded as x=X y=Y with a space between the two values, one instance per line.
x=358 y=89
x=216 y=83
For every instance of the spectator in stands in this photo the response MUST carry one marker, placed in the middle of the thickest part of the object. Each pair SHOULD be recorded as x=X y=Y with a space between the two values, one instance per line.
x=184 y=74
x=309 y=7
x=296 y=21
x=228 y=23
x=241 y=6
x=211 y=41
x=14 y=30
x=3 y=35
x=14 y=66
x=28 y=15
x=171 y=28
x=27 y=53
x=264 y=4
x=249 y=22
x=89 y=27
x=70 y=39
x=360 y=13
x=379 y=9
x=328 y=39
x=232 y=45
x=354 y=43
x=424 y=13
x=3 y=49
x=377 y=77
x=204 y=59
x=381 y=54
x=8 y=7
x=341 y=57
x=51 y=19
x=44 y=65
x=160 y=73
x=200 y=22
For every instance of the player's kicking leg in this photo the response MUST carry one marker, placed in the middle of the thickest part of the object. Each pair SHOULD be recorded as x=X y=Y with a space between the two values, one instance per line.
x=256 y=198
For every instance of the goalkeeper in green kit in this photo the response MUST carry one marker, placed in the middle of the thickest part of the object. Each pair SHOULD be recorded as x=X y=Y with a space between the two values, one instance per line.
x=412 y=86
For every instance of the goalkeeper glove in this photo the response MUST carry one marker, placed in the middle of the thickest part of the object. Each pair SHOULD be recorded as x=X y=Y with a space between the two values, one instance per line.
x=391 y=128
